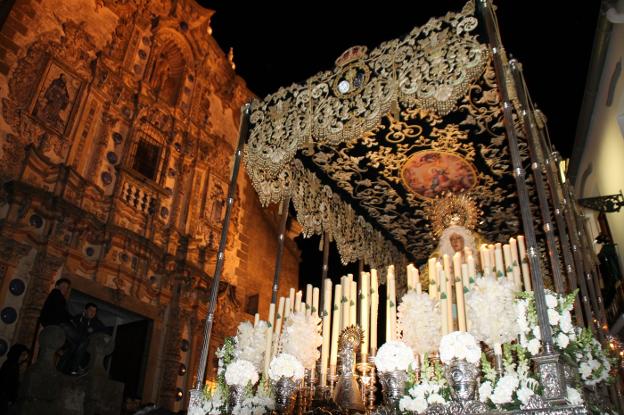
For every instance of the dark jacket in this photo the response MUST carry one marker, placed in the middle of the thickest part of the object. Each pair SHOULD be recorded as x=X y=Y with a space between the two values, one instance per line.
x=54 y=309
x=86 y=326
x=9 y=377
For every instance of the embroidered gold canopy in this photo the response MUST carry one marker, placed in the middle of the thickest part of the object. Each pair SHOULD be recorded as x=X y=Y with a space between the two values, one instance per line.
x=362 y=149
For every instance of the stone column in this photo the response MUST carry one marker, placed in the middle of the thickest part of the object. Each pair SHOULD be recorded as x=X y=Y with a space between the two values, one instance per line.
x=41 y=275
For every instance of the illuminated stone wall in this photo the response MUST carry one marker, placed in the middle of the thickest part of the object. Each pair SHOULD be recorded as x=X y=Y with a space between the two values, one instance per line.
x=117 y=132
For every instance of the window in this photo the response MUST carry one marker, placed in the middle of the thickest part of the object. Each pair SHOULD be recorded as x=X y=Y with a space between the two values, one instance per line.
x=146 y=158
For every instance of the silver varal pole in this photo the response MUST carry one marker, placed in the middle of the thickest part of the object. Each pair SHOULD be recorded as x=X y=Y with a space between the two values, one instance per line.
x=548 y=366
x=214 y=290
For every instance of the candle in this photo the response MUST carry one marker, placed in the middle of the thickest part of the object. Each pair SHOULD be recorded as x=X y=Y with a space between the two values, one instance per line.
x=364 y=310
x=353 y=304
x=315 y=302
x=459 y=294
x=374 y=310
x=446 y=261
x=411 y=277
x=335 y=329
x=298 y=301
x=308 y=299
x=467 y=253
x=326 y=315
x=526 y=274
x=291 y=299
x=508 y=263
x=448 y=290
x=279 y=319
x=466 y=277
x=269 y=337
x=443 y=302
x=432 y=271
x=513 y=246
x=345 y=319
x=391 y=305
x=256 y=319
x=487 y=264
x=287 y=310
x=472 y=272
x=498 y=258
x=457 y=265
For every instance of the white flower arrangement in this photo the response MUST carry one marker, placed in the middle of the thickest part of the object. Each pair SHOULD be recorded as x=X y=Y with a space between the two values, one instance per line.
x=241 y=372
x=593 y=364
x=559 y=317
x=301 y=338
x=459 y=345
x=212 y=402
x=394 y=355
x=491 y=315
x=251 y=342
x=421 y=332
x=573 y=397
x=512 y=390
x=285 y=365
x=259 y=404
x=421 y=395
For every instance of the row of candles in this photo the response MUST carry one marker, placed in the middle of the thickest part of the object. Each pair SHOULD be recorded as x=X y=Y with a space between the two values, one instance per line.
x=352 y=298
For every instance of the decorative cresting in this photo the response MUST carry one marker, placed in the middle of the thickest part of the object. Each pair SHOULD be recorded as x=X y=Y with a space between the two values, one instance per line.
x=430 y=68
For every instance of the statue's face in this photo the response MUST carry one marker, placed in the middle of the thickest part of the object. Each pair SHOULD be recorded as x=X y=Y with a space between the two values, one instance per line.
x=457 y=242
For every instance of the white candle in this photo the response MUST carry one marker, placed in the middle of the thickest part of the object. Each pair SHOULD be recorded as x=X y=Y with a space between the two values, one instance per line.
x=269 y=338
x=374 y=311
x=417 y=279
x=457 y=266
x=466 y=277
x=448 y=290
x=353 y=304
x=498 y=258
x=472 y=272
x=443 y=302
x=308 y=299
x=411 y=277
x=279 y=319
x=526 y=274
x=326 y=315
x=364 y=310
x=391 y=305
x=508 y=262
x=446 y=261
x=459 y=294
x=256 y=319
x=298 y=301
x=315 y=302
x=513 y=246
x=345 y=318
x=335 y=330
x=487 y=264
x=432 y=271
x=291 y=299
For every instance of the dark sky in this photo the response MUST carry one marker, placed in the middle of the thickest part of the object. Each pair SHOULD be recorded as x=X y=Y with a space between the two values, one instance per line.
x=276 y=44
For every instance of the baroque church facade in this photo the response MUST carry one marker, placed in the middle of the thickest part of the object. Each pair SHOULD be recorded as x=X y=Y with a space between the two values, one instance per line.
x=118 y=128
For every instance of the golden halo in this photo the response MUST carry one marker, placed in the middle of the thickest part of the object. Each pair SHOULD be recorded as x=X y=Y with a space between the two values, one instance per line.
x=451 y=210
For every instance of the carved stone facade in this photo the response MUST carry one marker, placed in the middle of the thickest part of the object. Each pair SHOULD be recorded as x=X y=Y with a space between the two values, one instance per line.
x=119 y=122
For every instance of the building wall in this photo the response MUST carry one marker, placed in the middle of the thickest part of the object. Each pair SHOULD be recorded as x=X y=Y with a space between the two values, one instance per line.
x=600 y=171
x=119 y=123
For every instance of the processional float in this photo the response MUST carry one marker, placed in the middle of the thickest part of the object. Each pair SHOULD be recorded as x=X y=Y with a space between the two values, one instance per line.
x=370 y=155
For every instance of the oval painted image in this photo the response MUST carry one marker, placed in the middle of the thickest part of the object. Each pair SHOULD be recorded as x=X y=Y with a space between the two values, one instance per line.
x=430 y=173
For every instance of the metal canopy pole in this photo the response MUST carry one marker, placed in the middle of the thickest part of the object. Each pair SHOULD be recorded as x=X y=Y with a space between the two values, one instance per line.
x=549 y=369
x=280 y=248
x=537 y=167
x=242 y=138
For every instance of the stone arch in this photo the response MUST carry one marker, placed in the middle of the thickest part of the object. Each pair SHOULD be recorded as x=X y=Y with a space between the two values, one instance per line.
x=169 y=66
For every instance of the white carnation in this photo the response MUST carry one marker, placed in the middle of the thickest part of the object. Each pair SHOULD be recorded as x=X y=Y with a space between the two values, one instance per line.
x=551 y=301
x=553 y=317
x=393 y=355
x=573 y=397
x=241 y=373
x=562 y=340
x=485 y=391
x=524 y=394
x=459 y=345
x=417 y=405
x=534 y=347
x=285 y=365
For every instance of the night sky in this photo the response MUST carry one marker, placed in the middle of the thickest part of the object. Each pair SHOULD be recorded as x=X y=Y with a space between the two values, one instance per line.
x=276 y=44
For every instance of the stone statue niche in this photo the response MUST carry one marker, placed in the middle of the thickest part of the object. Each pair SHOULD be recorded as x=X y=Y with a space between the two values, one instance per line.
x=167 y=73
